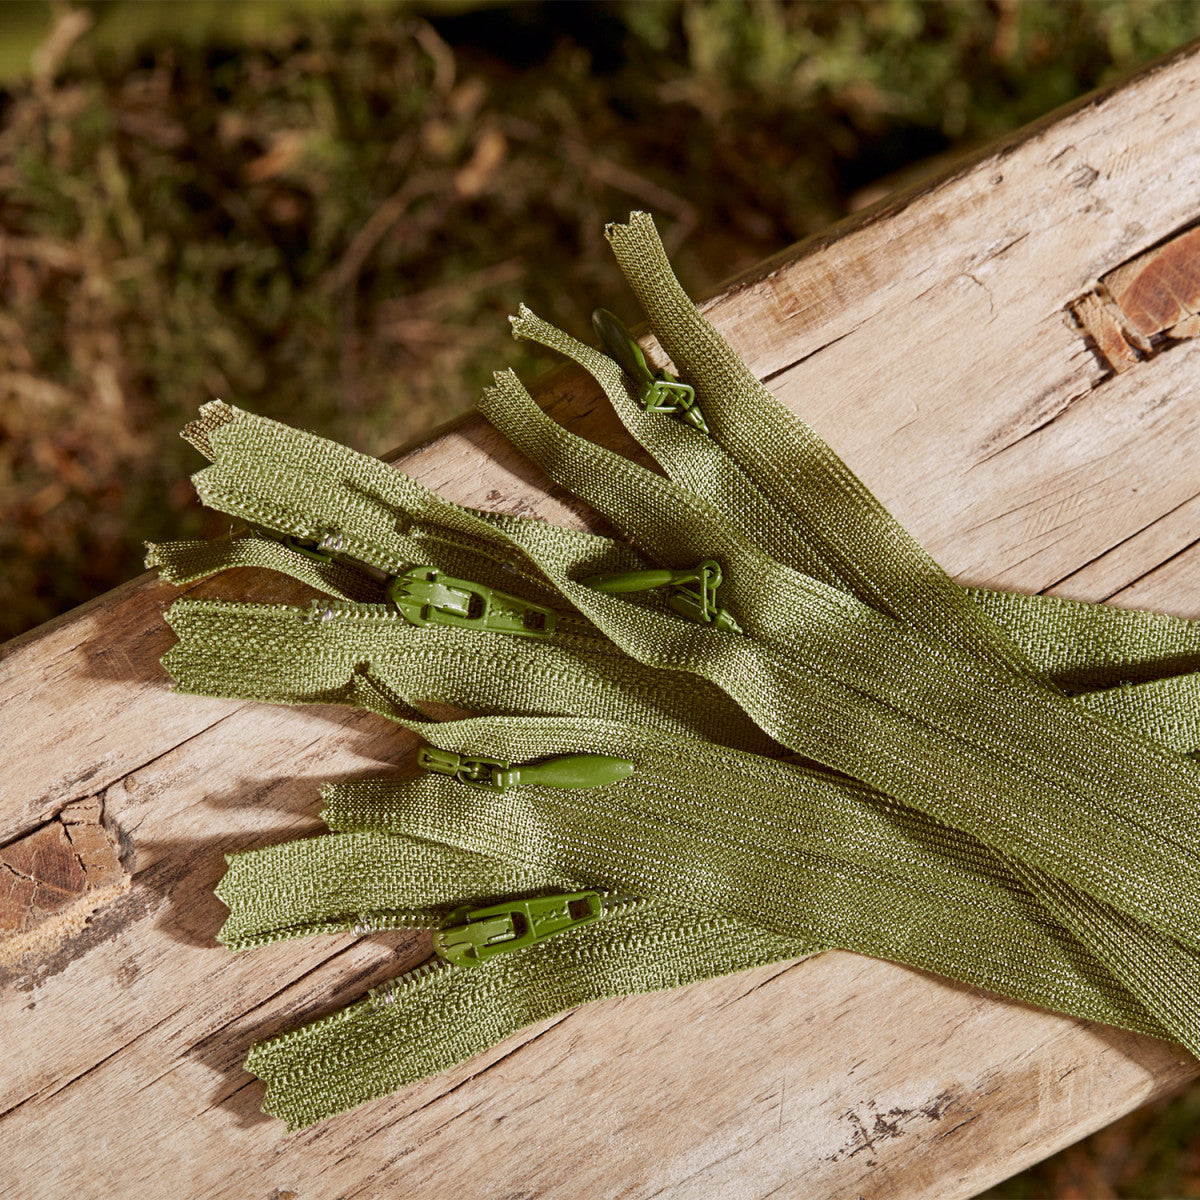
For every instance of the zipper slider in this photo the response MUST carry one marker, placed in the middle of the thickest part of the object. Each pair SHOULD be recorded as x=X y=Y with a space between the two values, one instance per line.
x=566 y=771
x=325 y=549
x=658 y=391
x=425 y=596
x=309 y=547
x=470 y=936
x=693 y=595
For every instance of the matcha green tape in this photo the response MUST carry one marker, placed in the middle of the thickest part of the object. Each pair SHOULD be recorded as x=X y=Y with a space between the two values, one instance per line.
x=995 y=787
x=789 y=849
x=185 y=562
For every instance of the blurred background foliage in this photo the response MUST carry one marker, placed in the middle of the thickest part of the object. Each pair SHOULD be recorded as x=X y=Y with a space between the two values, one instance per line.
x=324 y=209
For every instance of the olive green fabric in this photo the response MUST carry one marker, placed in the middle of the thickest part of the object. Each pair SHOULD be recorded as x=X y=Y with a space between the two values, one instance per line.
x=438 y=1016
x=995 y=787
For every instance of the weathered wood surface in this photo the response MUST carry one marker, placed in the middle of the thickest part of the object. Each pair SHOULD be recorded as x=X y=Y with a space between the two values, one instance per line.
x=945 y=345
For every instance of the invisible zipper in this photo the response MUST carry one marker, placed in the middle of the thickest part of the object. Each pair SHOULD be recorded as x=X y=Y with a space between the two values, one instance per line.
x=424 y=595
x=360 y=924
x=468 y=937
x=472 y=935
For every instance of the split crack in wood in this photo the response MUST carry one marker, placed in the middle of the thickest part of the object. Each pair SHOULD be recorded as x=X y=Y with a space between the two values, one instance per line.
x=1144 y=305
x=56 y=877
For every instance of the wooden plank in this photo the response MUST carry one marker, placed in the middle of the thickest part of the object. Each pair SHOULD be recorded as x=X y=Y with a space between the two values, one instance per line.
x=935 y=343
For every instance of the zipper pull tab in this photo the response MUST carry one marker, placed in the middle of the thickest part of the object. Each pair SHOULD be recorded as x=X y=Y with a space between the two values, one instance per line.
x=469 y=936
x=566 y=771
x=658 y=391
x=693 y=595
x=425 y=596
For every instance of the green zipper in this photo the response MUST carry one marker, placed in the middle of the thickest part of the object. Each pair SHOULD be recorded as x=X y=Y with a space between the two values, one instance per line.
x=376 y=616
x=1004 y=796
x=994 y=929
x=437 y=1015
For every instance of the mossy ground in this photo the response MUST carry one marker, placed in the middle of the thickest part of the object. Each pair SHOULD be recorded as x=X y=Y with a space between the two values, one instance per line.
x=324 y=213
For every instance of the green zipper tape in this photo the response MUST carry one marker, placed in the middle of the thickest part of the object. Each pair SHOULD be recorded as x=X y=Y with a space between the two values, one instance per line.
x=1004 y=793
x=185 y=562
x=788 y=848
x=432 y=1018
x=346 y=654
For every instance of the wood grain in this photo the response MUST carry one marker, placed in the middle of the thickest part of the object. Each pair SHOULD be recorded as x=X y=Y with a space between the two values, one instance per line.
x=934 y=342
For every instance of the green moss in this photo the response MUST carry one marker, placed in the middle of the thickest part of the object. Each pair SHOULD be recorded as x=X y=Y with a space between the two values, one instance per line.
x=325 y=212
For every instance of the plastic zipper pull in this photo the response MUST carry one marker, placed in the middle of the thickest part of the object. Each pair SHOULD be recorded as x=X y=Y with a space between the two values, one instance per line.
x=565 y=771
x=425 y=596
x=658 y=391
x=468 y=937
x=693 y=595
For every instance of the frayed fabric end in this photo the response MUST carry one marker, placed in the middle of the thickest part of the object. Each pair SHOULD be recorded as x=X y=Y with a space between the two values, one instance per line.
x=614 y=229
x=519 y=320
x=199 y=432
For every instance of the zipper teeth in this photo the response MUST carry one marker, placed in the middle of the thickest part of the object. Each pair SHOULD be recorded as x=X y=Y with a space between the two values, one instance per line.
x=470 y=543
x=387 y=920
x=284 y=520
x=391 y=990
x=322 y=609
x=384 y=919
x=330 y=609
x=382 y=994
x=615 y=903
x=253 y=941
x=360 y=924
